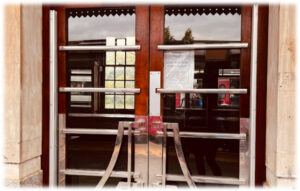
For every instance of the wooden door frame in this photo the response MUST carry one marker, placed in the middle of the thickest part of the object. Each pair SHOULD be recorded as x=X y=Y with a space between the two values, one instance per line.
x=148 y=21
x=141 y=68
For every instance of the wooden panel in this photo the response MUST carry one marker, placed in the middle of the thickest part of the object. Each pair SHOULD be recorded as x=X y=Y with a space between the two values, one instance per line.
x=262 y=62
x=157 y=18
x=142 y=60
x=62 y=72
x=45 y=98
x=157 y=38
x=246 y=59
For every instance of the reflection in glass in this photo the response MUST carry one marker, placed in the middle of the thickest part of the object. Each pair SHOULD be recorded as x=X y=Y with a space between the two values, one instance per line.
x=196 y=112
x=109 y=101
x=109 y=84
x=129 y=84
x=109 y=73
x=130 y=58
x=98 y=69
x=129 y=102
x=105 y=68
x=130 y=73
x=110 y=58
x=119 y=73
x=100 y=27
x=119 y=101
x=193 y=28
x=119 y=84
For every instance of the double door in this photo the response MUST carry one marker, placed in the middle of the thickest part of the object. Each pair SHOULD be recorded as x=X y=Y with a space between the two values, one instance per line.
x=148 y=96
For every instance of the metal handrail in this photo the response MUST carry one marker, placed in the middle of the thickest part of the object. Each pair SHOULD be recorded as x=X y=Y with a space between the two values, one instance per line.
x=203 y=46
x=104 y=115
x=203 y=90
x=101 y=48
x=230 y=136
x=206 y=179
x=97 y=173
x=100 y=90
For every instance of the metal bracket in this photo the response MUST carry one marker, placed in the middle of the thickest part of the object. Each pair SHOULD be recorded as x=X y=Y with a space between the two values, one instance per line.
x=116 y=152
x=180 y=155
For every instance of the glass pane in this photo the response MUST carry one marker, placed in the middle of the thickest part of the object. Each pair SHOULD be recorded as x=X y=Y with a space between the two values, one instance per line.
x=129 y=99
x=109 y=84
x=196 y=112
x=130 y=73
x=120 y=54
x=196 y=28
x=129 y=84
x=110 y=41
x=130 y=40
x=110 y=58
x=121 y=42
x=119 y=101
x=109 y=73
x=99 y=27
x=109 y=101
x=119 y=84
x=110 y=26
x=120 y=58
x=130 y=58
x=119 y=73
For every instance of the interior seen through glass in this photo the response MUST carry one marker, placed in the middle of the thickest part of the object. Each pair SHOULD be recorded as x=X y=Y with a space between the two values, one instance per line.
x=196 y=112
x=109 y=69
x=193 y=112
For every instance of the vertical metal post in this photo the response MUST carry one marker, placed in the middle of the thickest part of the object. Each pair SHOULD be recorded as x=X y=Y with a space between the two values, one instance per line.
x=253 y=81
x=129 y=151
x=53 y=100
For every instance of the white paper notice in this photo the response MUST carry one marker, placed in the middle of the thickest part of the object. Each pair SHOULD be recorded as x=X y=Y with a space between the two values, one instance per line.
x=179 y=69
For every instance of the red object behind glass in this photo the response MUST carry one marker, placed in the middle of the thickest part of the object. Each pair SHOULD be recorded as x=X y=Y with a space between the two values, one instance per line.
x=224 y=83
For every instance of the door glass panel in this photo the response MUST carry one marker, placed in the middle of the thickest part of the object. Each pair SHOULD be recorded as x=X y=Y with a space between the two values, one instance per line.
x=191 y=25
x=205 y=112
x=89 y=27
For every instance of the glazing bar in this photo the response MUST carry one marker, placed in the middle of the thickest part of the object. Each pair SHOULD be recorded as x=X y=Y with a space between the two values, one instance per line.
x=206 y=179
x=108 y=115
x=253 y=81
x=103 y=48
x=231 y=136
x=100 y=90
x=53 y=118
x=204 y=91
x=97 y=173
x=202 y=46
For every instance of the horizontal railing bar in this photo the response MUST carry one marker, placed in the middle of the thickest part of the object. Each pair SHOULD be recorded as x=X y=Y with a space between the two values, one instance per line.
x=106 y=115
x=204 y=91
x=206 y=179
x=183 y=134
x=100 y=90
x=103 y=48
x=98 y=173
x=203 y=46
x=231 y=136
x=91 y=131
